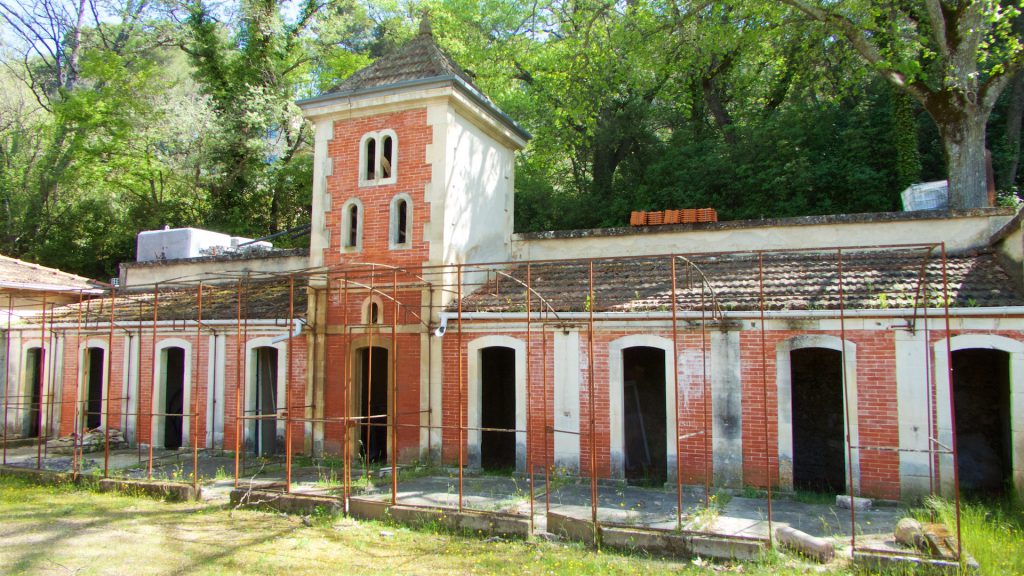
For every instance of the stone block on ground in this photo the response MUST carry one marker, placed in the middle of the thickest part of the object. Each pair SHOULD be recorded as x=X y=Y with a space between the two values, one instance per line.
x=847 y=502
x=811 y=546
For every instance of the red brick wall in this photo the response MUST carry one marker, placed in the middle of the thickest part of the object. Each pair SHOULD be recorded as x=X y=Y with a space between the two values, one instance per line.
x=876 y=404
x=198 y=373
x=345 y=304
x=340 y=377
x=411 y=176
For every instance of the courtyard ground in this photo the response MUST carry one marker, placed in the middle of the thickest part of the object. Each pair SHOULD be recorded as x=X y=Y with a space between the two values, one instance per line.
x=72 y=530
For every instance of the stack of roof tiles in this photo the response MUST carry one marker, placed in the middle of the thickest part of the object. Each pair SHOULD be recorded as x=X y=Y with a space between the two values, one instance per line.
x=684 y=216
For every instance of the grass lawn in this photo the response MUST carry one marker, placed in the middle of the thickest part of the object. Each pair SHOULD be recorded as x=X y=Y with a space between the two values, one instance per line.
x=70 y=530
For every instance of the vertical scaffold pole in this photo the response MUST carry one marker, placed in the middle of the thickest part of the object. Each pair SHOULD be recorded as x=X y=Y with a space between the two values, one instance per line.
x=764 y=396
x=152 y=381
x=529 y=385
x=42 y=356
x=7 y=372
x=76 y=456
x=952 y=403
x=462 y=409
x=346 y=399
x=394 y=387
x=287 y=388
x=675 y=397
x=239 y=366
x=194 y=420
x=706 y=394
x=108 y=384
x=846 y=402
x=591 y=403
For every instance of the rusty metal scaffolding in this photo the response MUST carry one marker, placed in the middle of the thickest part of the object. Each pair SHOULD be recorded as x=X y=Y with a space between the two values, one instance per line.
x=687 y=300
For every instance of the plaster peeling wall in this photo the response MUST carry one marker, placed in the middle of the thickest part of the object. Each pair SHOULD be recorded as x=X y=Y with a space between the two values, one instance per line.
x=727 y=411
x=912 y=393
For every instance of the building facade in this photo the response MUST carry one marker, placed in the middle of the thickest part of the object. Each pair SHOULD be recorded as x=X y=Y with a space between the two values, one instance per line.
x=822 y=353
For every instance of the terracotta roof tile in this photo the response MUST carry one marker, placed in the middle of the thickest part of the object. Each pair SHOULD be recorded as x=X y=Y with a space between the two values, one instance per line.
x=792 y=281
x=16 y=273
x=419 y=59
x=266 y=300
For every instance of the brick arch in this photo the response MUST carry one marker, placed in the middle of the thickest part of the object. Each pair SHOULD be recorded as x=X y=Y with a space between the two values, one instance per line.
x=784 y=389
x=1015 y=349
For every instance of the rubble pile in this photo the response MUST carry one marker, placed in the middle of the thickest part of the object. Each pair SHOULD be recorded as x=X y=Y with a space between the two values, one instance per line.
x=92 y=441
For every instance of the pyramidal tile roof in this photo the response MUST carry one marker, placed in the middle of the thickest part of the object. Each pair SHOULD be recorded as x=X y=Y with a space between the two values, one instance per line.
x=419 y=59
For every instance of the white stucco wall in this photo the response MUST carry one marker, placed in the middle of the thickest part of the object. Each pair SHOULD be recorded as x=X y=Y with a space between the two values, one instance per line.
x=478 y=182
x=197 y=269
x=959 y=233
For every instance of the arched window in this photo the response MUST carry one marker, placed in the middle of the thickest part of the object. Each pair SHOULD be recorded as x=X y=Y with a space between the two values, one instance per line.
x=373 y=311
x=400 y=235
x=352 y=225
x=378 y=158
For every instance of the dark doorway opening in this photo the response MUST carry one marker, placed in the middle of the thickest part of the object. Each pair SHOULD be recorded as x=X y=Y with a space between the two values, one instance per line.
x=174 y=397
x=34 y=383
x=373 y=403
x=644 y=407
x=497 y=408
x=819 y=454
x=981 y=395
x=94 y=388
x=265 y=401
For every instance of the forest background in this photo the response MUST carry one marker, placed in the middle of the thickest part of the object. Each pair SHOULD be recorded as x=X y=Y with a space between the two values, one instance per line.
x=118 y=116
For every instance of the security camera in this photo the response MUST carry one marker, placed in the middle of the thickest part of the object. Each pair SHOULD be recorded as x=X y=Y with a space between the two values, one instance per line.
x=442 y=328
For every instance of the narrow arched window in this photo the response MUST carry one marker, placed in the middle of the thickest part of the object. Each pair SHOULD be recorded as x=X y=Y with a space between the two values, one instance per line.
x=373 y=310
x=371 y=159
x=385 y=157
x=352 y=225
x=403 y=212
x=401 y=221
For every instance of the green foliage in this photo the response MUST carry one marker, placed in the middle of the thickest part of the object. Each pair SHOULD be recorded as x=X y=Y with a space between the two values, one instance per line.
x=757 y=109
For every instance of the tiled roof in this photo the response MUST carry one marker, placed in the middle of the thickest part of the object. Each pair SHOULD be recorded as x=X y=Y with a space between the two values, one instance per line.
x=18 y=274
x=267 y=300
x=791 y=281
x=419 y=59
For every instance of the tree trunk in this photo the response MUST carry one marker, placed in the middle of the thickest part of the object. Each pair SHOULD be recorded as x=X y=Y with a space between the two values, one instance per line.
x=1014 y=114
x=963 y=137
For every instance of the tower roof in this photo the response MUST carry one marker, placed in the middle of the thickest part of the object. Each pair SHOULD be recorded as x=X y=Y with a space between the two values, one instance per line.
x=418 y=61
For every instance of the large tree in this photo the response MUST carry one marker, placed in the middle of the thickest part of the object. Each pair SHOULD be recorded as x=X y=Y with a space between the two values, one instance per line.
x=955 y=57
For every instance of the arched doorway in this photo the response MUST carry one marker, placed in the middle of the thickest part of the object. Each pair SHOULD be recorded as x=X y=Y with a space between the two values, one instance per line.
x=644 y=422
x=981 y=401
x=819 y=454
x=34 y=391
x=93 y=381
x=497 y=408
x=371 y=402
x=173 y=377
x=263 y=405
